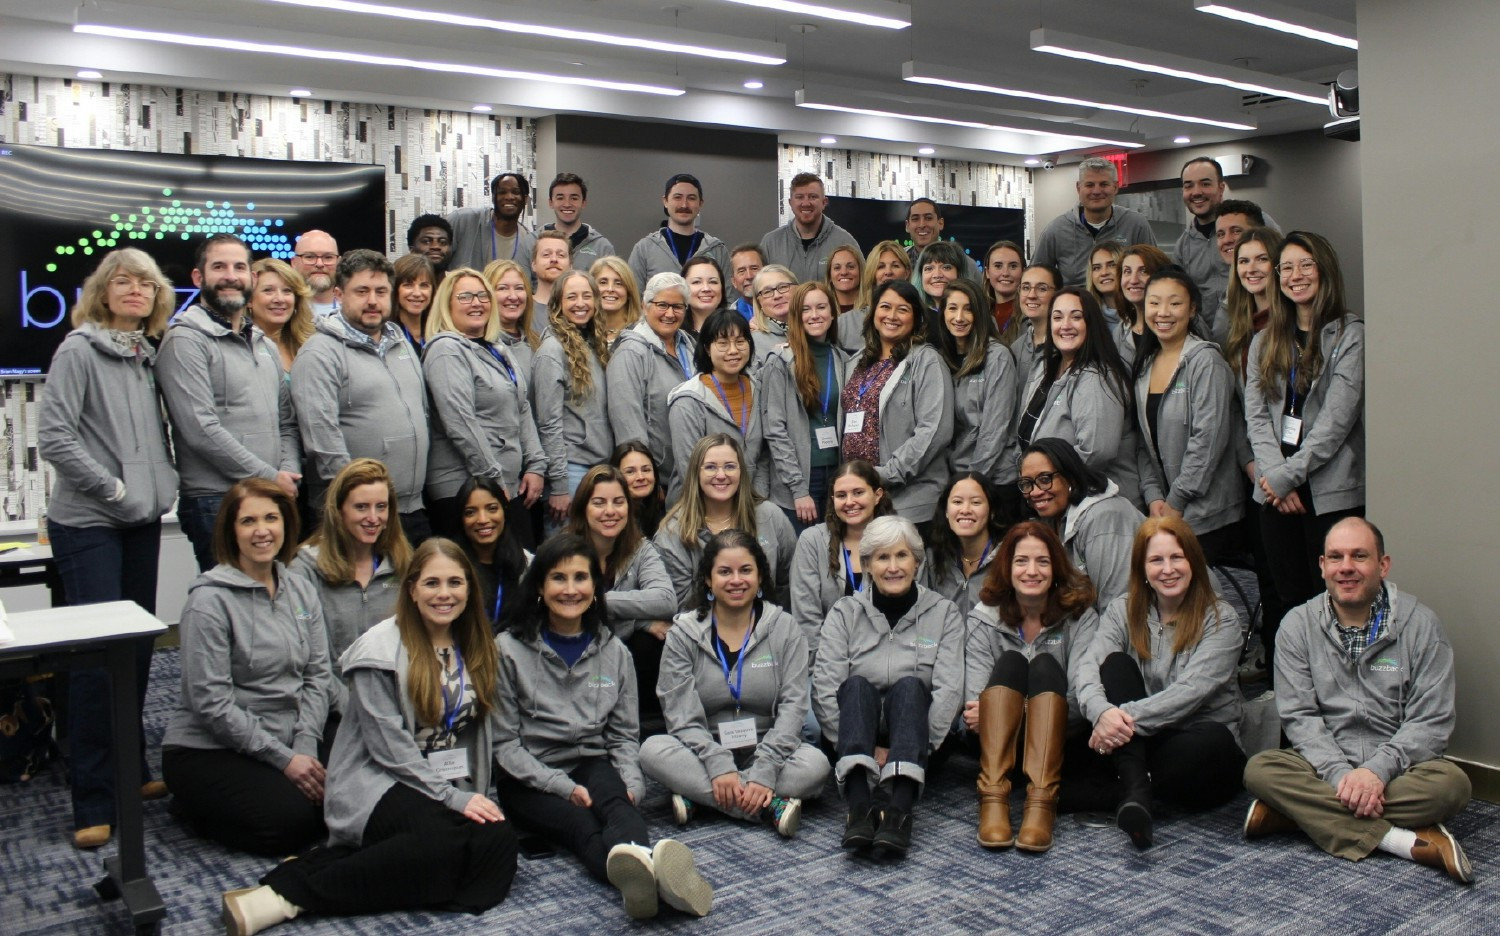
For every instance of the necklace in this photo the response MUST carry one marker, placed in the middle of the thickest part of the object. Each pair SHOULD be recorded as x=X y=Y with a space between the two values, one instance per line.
x=719 y=527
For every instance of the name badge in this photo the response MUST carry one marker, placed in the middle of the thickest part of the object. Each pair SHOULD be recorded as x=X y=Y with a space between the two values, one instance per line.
x=737 y=734
x=450 y=765
x=1291 y=430
x=854 y=422
x=828 y=437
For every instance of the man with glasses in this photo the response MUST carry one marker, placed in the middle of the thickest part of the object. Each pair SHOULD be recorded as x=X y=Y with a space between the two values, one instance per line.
x=317 y=253
x=358 y=390
x=667 y=248
x=1365 y=689
x=804 y=243
x=230 y=410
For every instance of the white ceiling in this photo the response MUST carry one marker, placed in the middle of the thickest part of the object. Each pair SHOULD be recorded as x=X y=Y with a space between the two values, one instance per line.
x=860 y=64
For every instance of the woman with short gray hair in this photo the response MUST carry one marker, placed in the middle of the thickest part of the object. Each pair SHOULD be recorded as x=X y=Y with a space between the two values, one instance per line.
x=651 y=360
x=887 y=684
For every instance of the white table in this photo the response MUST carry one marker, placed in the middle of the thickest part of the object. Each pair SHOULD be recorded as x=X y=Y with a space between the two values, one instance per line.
x=101 y=635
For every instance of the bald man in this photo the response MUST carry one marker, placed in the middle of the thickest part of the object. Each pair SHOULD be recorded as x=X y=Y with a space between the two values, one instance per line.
x=315 y=257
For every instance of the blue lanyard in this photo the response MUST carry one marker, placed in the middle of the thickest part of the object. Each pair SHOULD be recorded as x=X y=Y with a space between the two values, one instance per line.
x=499 y=595
x=693 y=242
x=736 y=687
x=849 y=574
x=409 y=337
x=450 y=712
x=828 y=385
x=495 y=353
x=684 y=359
x=744 y=420
x=870 y=376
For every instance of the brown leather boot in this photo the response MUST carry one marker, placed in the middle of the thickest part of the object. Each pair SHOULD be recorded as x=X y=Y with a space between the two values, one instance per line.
x=1046 y=724
x=999 y=720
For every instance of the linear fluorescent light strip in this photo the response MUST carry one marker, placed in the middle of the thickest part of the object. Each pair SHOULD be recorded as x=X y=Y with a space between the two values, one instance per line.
x=970 y=124
x=1280 y=25
x=329 y=55
x=1177 y=73
x=1058 y=99
x=826 y=11
x=536 y=29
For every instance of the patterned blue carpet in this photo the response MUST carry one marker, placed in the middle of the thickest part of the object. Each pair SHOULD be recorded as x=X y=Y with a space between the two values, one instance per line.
x=1200 y=878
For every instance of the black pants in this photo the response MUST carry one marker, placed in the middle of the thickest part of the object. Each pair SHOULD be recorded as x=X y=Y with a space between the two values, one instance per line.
x=416 y=527
x=588 y=832
x=1293 y=543
x=1042 y=673
x=443 y=518
x=645 y=653
x=416 y=854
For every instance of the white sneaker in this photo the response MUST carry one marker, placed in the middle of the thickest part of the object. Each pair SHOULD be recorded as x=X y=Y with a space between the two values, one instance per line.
x=677 y=879
x=682 y=809
x=632 y=871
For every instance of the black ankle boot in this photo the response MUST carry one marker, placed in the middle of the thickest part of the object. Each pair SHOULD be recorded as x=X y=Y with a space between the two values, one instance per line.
x=859 y=827
x=894 y=836
x=1133 y=817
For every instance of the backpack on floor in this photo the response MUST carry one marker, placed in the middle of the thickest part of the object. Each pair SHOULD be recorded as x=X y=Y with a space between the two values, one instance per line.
x=26 y=720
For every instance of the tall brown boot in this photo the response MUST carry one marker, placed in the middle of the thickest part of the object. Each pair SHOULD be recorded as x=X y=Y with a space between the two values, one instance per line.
x=1046 y=724
x=999 y=720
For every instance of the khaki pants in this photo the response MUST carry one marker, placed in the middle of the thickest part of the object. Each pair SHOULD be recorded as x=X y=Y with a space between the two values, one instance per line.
x=1429 y=792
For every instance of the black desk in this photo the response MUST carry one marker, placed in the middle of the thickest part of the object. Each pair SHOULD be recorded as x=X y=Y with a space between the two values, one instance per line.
x=106 y=636
x=32 y=565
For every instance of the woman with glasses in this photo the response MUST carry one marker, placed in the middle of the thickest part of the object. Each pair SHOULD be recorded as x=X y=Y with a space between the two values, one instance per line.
x=705 y=291
x=1094 y=522
x=653 y=358
x=482 y=415
x=772 y=292
x=1038 y=285
x=887 y=260
x=722 y=397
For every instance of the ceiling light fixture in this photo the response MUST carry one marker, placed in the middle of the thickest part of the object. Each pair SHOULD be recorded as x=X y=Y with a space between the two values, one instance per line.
x=735 y=50
x=925 y=150
x=1175 y=66
x=754 y=85
x=863 y=12
x=89 y=74
x=482 y=108
x=941 y=76
x=1033 y=161
x=828 y=141
x=300 y=92
x=220 y=43
x=1283 y=19
x=1181 y=139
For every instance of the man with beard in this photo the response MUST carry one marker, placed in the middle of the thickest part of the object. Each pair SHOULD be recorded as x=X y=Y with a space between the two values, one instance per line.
x=316 y=254
x=803 y=244
x=667 y=248
x=482 y=234
x=431 y=236
x=230 y=408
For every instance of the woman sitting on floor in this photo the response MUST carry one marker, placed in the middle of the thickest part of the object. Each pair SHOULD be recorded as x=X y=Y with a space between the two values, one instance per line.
x=733 y=686
x=409 y=824
x=244 y=752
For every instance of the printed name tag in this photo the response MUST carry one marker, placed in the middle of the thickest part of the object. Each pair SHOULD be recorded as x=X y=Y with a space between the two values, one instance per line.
x=828 y=437
x=450 y=765
x=737 y=734
x=1291 y=430
x=854 y=422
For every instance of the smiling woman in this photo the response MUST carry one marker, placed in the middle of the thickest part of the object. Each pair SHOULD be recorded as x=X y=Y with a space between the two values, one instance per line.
x=723 y=397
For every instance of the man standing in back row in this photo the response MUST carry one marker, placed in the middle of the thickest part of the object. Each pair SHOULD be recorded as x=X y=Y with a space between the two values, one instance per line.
x=482 y=234
x=803 y=244
x=667 y=248
x=1068 y=241
x=567 y=196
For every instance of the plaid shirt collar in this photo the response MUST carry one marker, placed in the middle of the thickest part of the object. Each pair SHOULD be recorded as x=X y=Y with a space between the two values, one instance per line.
x=1356 y=639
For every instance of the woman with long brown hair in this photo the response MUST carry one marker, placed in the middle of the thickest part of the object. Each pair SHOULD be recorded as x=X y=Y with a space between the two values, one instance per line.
x=1137 y=265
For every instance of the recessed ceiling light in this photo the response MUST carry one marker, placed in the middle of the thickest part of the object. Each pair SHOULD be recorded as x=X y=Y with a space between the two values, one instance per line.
x=300 y=92
x=829 y=141
x=926 y=151
x=754 y=85
x=1181 y=139
x=1033 y=161
x=90 y=75
x=482 y=108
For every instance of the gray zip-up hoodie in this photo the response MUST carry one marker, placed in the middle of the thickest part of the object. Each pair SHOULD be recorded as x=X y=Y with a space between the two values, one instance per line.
x=695 y=695
x=916 y=427
x=1026 y=352
x=230 y=404
x=784 y=246
x=349 y=610
x=984 y=424
x=474 y=239
x=1196 y=425
x=255 y=671
x=951 y=583
x=593 y=246
x=1098 y=532
x=653 y=254
x=1181 y=688
x=376 y=746
x=482 y=421
x=788 y=434
x=1067 y=641
x=641 y=376
x=1332 y=458
x=359 y=399
x=1084 y=410
x=694 y=411
x=1067 y=242
x=101 y=422
x=522 y=355
x=642 y=593
x=575 y=431
x=1389 y=710
x=552 y=716
x=776 y=536
x=927 y=642
x=1199 y=256
x=814 y=589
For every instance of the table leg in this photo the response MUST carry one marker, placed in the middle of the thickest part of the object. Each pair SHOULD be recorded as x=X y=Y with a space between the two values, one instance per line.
x=127 y=870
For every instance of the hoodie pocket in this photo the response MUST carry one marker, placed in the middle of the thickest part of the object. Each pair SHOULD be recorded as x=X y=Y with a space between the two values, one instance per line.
x=400 y=455
x=148 y=490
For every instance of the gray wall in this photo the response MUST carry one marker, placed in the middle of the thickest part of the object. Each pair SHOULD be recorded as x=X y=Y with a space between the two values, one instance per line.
x=626 y=163
x=1433 y=423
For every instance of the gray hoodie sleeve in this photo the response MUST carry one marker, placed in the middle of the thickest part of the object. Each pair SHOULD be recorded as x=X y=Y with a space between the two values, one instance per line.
x=784 y=736
x=1109 y=637
x=62 y=408
x=1210 y=389
x=682 y=707
x=832 y=665
x=315 y=698
x=450 y=384
x=997 y=426
x=687 y=423
x=1153 y=482
x=1081 y=645
x=651 y=600
x=637 y=263
x=291 y=438
x=932 y=411
x=182 y=370
x=1259 y=423
x=1297 y=697
x=778 y=393
x=678 y=560
x=510 y=748
x=806 y=589
x=1107 y=555
x=208 y=683
x=1098 y=417
x=1210 y=668
x=317 y=378
x=375 y=712
x=1430 y=709
x=1343 y=405
x=549 y=390
x=785 y=536
x=622 y=729
x=979 y=654
x=627 y=385
x=947 y=674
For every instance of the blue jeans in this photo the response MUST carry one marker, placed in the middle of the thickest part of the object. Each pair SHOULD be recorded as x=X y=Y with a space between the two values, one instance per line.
x=196 y=516
x=93 y=565
x=817 y=488
x=898 y=716
x=575 y=478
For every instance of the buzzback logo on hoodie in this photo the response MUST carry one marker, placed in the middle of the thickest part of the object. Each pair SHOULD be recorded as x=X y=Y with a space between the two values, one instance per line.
x=764 y=661
x=1385 y=665
x=600 y=681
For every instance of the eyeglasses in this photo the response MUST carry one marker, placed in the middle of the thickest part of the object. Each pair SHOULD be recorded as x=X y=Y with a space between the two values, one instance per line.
x=660 y=306
x=125 y=283
x=1041 y=289
x=464 y=298
x=729 y=344
x=1305 y=267
x=1043 y=481
x=318 y=259
x=779 y=290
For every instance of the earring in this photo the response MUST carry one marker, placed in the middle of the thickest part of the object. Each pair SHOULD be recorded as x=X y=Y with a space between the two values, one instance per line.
x=760 y=593
x=710 y=596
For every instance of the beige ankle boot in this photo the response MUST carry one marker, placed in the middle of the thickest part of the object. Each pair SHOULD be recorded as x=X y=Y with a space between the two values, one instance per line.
x=252 y=909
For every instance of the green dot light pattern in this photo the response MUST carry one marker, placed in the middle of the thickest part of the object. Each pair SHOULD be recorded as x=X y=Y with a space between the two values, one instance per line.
x=155 y=222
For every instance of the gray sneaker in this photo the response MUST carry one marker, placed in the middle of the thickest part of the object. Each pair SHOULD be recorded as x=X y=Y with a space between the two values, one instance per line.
x=677 y=879
x=631 y=870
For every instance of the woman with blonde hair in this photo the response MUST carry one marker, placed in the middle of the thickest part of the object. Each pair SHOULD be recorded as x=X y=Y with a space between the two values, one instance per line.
x=102 y=431
x=771 y=292
x=1003 y=264
x=842 y=271
x=1103 y=278
x=619 y=297
x=511 y=285
x=281 y=307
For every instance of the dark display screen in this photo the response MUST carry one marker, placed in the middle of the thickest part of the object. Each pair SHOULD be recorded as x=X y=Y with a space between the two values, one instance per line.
x=975 y=228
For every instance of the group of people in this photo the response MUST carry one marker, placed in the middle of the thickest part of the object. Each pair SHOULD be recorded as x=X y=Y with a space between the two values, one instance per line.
x=583 y=520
